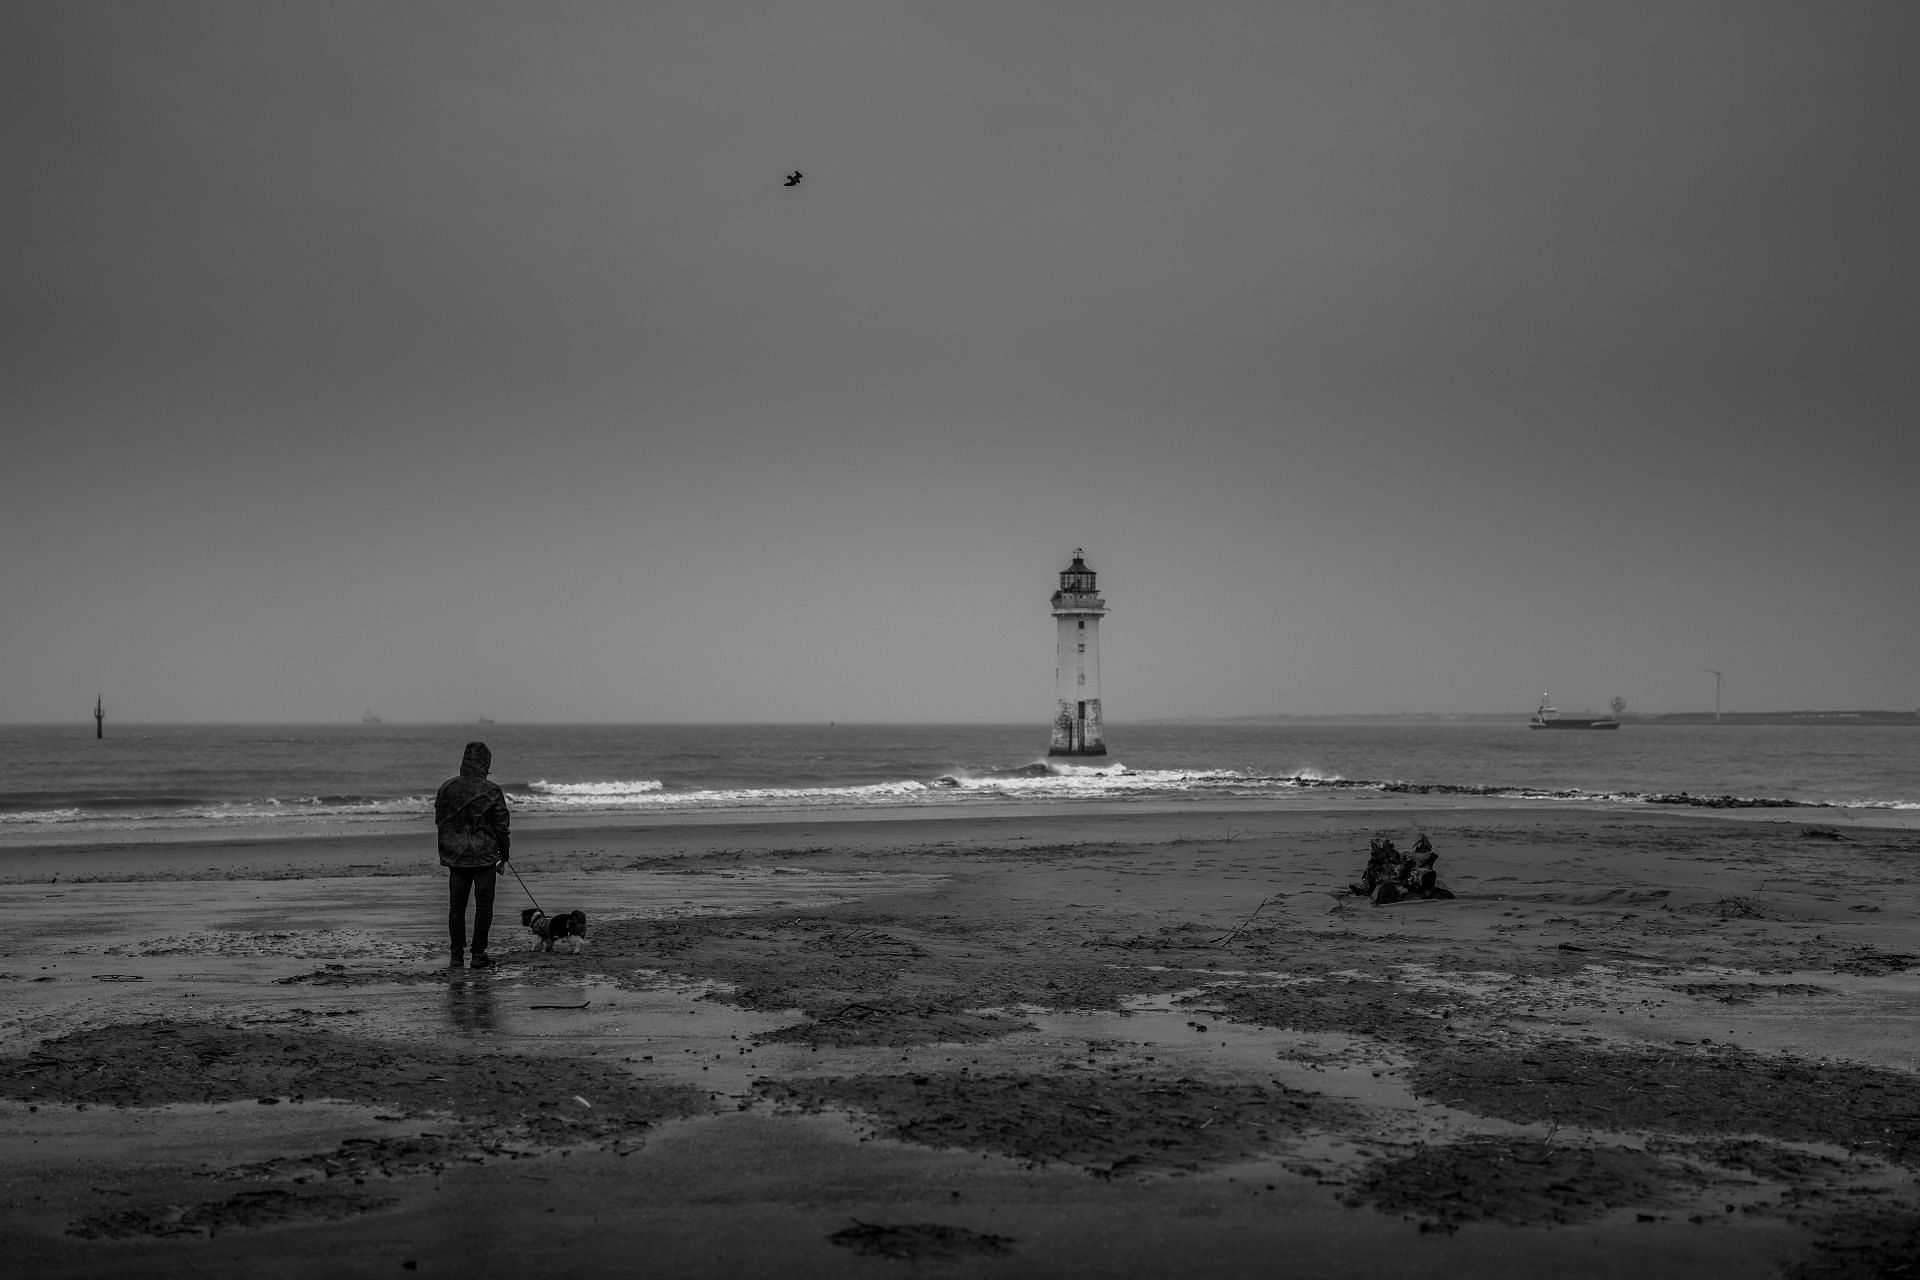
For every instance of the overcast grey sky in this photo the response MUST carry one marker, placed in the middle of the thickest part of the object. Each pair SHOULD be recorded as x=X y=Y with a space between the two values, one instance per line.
x=470 y=358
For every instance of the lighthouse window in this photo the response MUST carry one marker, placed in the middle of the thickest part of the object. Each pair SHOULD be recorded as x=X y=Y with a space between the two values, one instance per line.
x=1081 y=625
x=1082 y=679
x=1083 y=648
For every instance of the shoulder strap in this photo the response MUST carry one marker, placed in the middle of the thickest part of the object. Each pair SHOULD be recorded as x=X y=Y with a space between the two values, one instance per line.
x=471 y=800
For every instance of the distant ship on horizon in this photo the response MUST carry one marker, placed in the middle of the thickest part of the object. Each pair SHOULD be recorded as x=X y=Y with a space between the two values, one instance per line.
x=1546 y=717
x=370 y=718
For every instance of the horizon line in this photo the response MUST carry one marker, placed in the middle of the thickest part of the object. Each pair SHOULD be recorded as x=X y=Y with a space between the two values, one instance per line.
x=1243 y=717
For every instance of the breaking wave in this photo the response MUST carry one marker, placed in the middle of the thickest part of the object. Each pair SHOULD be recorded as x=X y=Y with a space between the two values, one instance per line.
x=617 y=797
x=568 y=791
x=1033 y=781
x=269 y=810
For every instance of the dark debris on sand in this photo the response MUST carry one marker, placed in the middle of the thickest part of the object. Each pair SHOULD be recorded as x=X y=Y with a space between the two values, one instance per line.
x=1681 y=1090
x=1104 y=1123
x=340 y=975
x=502 y=1106
x=920 y=1241
x=867 y=979
x=1350 y=1006
x=1756 y=1158
x=1518 y=1181
x=272 y=1207
x=894 y=1023
x=1873 y=1243
x=1748 y=992
x=1869 y=963
x=150 y=1064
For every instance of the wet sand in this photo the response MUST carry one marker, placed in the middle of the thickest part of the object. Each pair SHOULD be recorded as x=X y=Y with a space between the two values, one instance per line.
x=1073 y=1044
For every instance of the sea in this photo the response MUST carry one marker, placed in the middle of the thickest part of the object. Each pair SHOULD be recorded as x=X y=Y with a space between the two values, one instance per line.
x=61 y=785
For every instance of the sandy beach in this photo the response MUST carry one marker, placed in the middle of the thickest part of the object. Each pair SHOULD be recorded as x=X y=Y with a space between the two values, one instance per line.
x=1099 y=1042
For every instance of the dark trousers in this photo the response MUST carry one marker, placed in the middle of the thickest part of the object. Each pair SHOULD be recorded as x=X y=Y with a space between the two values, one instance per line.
x=479 y=881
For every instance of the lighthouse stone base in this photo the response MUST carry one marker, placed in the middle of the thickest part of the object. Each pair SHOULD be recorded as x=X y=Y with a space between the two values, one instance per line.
x=1075 y=734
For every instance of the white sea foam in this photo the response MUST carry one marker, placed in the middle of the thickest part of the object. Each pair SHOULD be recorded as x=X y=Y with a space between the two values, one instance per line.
x=313 y=807
x=639 y=796
x=1062 y=769
x=594 y=790
x=1035 y=781
x=1041 y=780
x=224 y=814
x=29 y=817
x=1092 y=780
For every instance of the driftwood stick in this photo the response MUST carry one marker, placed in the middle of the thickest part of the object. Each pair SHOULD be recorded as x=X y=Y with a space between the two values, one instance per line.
x=1223 y=941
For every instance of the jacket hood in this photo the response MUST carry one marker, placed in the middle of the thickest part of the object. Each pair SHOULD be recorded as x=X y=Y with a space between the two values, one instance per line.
x=476 y=761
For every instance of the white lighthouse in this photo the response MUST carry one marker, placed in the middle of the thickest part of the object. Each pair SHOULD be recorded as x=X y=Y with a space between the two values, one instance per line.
x=1077 y=610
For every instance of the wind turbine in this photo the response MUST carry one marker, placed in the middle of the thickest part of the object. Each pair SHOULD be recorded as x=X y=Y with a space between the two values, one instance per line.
x=1716 y=692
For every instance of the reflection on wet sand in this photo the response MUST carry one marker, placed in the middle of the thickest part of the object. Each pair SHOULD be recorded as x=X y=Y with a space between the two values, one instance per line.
x=471 y=1008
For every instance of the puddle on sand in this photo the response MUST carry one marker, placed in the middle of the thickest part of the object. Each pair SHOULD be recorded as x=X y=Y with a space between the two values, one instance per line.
x=1157 y=1029
x=195 y=1135
x=285 y=944
x=666 y=1029
x=1153 y=1032
x=743 y=890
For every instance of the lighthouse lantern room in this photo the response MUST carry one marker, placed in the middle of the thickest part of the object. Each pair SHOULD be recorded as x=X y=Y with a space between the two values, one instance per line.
x=1077 y=610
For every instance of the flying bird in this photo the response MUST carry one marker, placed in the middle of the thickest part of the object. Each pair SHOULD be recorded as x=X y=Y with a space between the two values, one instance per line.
x=793 y=179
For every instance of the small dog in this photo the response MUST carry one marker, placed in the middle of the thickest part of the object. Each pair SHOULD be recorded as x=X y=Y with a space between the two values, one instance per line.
x=569 y=927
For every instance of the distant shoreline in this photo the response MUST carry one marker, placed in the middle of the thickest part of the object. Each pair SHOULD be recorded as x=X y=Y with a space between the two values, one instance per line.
x=1626 y=718
x=1265 y=717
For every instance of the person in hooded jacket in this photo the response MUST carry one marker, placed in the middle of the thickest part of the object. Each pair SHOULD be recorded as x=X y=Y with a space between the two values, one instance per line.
x=471 y=813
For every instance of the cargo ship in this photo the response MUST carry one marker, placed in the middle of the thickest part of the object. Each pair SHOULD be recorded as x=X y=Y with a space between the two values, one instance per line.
x=1548 y=718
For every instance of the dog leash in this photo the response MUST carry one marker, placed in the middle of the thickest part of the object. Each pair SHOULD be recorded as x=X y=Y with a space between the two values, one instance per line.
x=523 y=884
